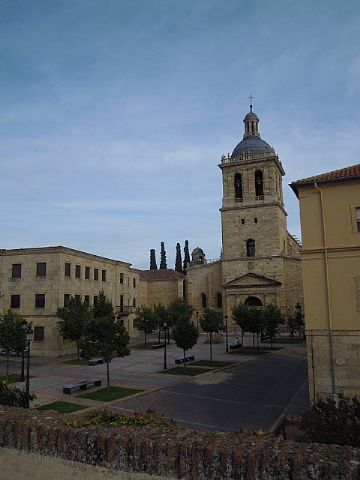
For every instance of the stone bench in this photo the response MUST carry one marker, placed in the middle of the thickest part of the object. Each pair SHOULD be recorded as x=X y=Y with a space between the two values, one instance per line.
x=179 y=361
x=236 y=345
x=95 y=382
x=96 y=361
x=158 y=345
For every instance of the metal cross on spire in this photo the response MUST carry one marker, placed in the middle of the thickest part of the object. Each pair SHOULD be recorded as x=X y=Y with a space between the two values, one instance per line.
x=251 y=99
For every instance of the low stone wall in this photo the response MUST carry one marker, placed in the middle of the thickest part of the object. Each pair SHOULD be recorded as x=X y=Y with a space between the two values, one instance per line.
x=171 y=452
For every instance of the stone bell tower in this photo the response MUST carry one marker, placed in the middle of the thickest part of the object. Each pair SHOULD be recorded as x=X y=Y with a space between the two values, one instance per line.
x=253 y=218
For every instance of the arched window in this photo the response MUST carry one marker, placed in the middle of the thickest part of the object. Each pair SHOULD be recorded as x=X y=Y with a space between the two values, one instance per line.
x=253 y=302
x=259 y=184
x=250 y=248
x=238 y=185
x=203 y=300
x=218 y=300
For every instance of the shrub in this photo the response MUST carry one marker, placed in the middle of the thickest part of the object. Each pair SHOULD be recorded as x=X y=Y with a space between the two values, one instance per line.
x=13 y=397
x=334 y=421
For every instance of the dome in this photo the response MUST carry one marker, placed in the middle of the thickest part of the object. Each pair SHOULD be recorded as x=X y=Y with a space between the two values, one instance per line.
x=251 y=144
x=198 y=250
x=251 y=116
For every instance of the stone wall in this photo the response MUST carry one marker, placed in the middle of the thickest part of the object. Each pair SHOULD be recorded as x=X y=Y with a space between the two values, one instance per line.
x=166 y=452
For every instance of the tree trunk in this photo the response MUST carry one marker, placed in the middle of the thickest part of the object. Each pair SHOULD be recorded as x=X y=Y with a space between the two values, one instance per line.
x=253 y=340
x=168 y=335
x=159 y=335
x=257 y=341
x=78 y=350
x=210 y=346
x=108 y=373
x=145 y=337
x=184 y=356
x=7 y=363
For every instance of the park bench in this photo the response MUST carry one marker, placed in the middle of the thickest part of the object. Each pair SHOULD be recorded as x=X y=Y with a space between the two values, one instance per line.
x=179 y=361
x=96 y=361
x=158 y=345
x=96 y=382
x=236 y=345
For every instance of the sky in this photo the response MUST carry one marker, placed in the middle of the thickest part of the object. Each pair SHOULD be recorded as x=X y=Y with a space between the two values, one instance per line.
x=114 y=113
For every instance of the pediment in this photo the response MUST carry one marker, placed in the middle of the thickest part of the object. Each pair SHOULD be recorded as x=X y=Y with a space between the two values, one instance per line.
x=252 y=280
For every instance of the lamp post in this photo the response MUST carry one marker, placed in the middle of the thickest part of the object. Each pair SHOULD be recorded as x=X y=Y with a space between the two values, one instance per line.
x=299 y=317
x=165 y=325
x=29 y=337
x=226 y=334
x=23 y=340
x=197 y=322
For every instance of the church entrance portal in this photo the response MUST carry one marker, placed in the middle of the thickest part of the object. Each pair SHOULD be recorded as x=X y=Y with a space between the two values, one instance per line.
x=253 y=302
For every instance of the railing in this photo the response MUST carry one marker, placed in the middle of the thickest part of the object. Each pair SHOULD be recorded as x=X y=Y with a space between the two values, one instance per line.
x=248 y=156
x=124 y=310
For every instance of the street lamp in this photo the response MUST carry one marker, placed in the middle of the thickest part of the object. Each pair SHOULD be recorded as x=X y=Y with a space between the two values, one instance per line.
x=29 y=337
x=197 y=322
x=165 y=325
x=226 y=334
x=23 y=341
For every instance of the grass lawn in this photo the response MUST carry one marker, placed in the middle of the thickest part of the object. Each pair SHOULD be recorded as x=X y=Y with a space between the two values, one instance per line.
x=62 y=407
x=191 y=371
x=254 y=351
x=12 y=378
x=213 y=364
x=113 y=393
x=74 y=361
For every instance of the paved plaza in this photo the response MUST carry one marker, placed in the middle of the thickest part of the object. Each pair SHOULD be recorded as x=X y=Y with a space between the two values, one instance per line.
x=253 y=393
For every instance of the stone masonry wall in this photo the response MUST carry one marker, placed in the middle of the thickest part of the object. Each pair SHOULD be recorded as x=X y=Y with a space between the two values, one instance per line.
x=174 y=453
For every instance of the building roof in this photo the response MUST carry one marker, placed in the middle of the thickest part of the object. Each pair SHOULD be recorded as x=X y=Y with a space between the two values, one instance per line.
x=341 y=175
x=251 y=144
x=161 y=275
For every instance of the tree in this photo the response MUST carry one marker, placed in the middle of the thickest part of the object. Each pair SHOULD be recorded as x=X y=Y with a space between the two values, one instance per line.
x=272 y=319
x=161 y=315
x=12 y=335
x=14 y=397
x=74 y=318
x=186 y=256
x=179 y=310
x=185 y=335
x=163 y=264
x=178 y=261
x=105 y=335
x=153 y=265
x=254 y=323
x=240 y=317
x=145 y=320
x=212 y=322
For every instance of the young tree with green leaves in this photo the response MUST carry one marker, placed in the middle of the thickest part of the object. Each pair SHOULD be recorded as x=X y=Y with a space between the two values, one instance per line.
x=212 y=322
x=178 y=261
x=73 y=320
x=153 y=265
x=249 y=320
x=185 y=335
x=12 y=335
x=105 y=335
x=272 y=319
x=163 y=263
x=186 y=256
x=179 y=310
x=161 y=315
x=145 y=320
x=240 y=317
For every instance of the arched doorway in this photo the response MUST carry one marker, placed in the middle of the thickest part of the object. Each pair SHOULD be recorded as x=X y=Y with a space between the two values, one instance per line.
x=253 y=302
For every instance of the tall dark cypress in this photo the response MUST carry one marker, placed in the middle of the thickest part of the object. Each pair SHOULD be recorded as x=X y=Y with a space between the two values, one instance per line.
x=178 y=261
x=163 y=264
x=186 y=256
x=153 y=265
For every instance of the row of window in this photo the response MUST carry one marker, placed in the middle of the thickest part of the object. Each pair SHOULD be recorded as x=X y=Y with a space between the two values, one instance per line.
x=243 y=221
x=15 y=300
x=40 y=270
x=259 y=185
x=204 y=300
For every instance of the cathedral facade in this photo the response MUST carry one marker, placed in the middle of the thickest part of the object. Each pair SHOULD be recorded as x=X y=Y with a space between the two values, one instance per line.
x=260 y=261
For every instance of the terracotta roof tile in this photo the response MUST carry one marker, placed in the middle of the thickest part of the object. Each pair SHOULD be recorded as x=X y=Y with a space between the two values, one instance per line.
x=160 y=275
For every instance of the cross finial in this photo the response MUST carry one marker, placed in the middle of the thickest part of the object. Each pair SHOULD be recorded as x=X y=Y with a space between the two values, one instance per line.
x=251 y=99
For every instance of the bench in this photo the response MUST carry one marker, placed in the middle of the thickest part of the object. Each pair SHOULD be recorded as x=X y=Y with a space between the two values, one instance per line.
x=236 y=345
x=96 y=361
x=179 y=361
x=96 y=382
x=158 y=345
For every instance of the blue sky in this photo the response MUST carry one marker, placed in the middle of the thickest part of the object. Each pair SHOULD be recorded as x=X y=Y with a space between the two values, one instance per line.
x=114 y=113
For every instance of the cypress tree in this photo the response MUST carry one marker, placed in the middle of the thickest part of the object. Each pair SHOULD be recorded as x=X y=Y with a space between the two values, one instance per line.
x=163 y=264
x=178 y=262
x=153 y=265
x=186 y=256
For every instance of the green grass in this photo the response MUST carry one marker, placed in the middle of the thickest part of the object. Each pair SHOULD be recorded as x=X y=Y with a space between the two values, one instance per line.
x=213 y=364
x=191 y=371
x=12 y=378
x=74 y=361
x=254 y=351
x=113 y=393
x=62 y=407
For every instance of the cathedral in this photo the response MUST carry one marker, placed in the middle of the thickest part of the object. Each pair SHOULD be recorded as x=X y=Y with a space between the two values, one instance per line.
x=260 y=261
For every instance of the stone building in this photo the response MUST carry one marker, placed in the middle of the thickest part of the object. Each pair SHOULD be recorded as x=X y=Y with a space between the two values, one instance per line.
x=330 y=224
x=160 y=287
x=260 y=261
x=35 y=282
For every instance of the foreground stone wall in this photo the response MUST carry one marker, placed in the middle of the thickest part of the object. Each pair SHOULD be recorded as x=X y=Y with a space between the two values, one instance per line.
x=171 y=452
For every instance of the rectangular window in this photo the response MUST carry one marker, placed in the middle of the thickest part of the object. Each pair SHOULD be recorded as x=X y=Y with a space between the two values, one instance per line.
x=134 y=302
x=121 y=303
x=134 y=282
x=77 y=271
x=103 y=275
x=78 y=297
x=87 y=273
x=41 y=269
x=66 y=299
x=40 y=300
x=67 y=269
x=96 y=274
x=358 y=219
x=87 y=299
x=96 y=299
x=15 y=301
x=16 y=270
x=121 y=278
x=242 y=221
x=39 y=334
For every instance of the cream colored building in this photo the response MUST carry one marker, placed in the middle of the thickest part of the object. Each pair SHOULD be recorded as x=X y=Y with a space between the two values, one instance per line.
x=260 y=261
x=35 y=282
x=160 y=287
x=330 y=224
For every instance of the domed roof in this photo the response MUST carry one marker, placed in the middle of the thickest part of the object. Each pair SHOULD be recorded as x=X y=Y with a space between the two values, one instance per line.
x=251 y=144
x=198 y=250
x=251 y=116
